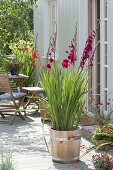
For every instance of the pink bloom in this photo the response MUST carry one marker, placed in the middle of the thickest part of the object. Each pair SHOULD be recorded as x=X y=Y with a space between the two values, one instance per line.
x=71 y=57
x=51 y=60
x=88 y=47
x=48 y=66
x=82 y=64
x=87 y=53
x=65 y=63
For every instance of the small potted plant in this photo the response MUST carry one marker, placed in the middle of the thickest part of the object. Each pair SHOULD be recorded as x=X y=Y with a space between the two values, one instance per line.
x=24 y=52
x=14 y=67
x=65 y=88
x=103 y=135
x=102 y=161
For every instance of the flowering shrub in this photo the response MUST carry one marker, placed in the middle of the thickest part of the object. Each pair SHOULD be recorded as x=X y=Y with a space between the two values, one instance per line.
x=103 y=161
x=65 y=87
x=24 y=53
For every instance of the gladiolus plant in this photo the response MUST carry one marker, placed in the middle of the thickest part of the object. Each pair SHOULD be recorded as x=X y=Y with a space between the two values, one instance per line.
x=65 y=86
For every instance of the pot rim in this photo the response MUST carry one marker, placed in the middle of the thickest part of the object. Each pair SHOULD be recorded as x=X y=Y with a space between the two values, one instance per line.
x=78 y=128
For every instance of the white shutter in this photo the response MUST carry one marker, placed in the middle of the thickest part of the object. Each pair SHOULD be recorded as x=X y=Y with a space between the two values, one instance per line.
x=103 y=51
x=100 y=70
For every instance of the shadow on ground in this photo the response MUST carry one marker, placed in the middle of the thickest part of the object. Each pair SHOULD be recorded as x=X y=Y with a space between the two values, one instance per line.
x=80 y=165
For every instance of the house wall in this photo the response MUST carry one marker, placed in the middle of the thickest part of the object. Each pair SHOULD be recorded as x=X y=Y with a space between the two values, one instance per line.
x=83 y=24
x=68 y=16
x=69 y=12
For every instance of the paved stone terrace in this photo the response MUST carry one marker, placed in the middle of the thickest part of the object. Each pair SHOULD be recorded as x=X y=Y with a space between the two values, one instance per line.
x=25 y=140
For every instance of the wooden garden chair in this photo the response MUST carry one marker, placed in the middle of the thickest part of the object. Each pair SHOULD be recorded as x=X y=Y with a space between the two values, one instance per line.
x=10 y=101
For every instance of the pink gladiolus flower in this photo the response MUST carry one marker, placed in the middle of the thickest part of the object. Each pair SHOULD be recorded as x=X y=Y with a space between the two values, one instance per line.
x=87 y=53
x=82 y=64
x=65 y=63
x=48 y=66
x=72 y=53
x=71 y=58
x=51 y=60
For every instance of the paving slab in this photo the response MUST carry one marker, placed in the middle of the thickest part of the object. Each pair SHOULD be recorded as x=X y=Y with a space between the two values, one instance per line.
x=25 y=140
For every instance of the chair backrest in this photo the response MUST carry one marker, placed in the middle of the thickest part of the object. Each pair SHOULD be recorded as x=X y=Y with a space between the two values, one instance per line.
x=4 y=83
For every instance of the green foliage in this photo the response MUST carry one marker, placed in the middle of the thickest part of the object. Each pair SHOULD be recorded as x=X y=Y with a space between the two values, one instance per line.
x=104 y=133
x=65 y=96
x=22 y=52
x=3 y=61
x=15 y=17
x=6 y=163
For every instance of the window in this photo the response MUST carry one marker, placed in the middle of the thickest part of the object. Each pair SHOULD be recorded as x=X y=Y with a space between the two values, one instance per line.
x=49 y=12
x=52 y=16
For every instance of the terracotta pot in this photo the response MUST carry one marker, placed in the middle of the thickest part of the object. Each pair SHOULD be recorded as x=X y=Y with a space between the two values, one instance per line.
x=65 y=145
x=43 y=113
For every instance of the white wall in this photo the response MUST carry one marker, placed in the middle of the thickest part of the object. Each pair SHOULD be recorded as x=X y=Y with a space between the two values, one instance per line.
x=68 y=15
x=83 y=24
x=69 y=12
x=40 y=26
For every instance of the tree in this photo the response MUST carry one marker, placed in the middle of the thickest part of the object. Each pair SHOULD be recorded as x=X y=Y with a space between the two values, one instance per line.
x=15 y=22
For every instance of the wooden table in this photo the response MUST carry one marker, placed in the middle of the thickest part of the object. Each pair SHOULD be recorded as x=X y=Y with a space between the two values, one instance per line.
x=33 y=95
x=19 y=78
